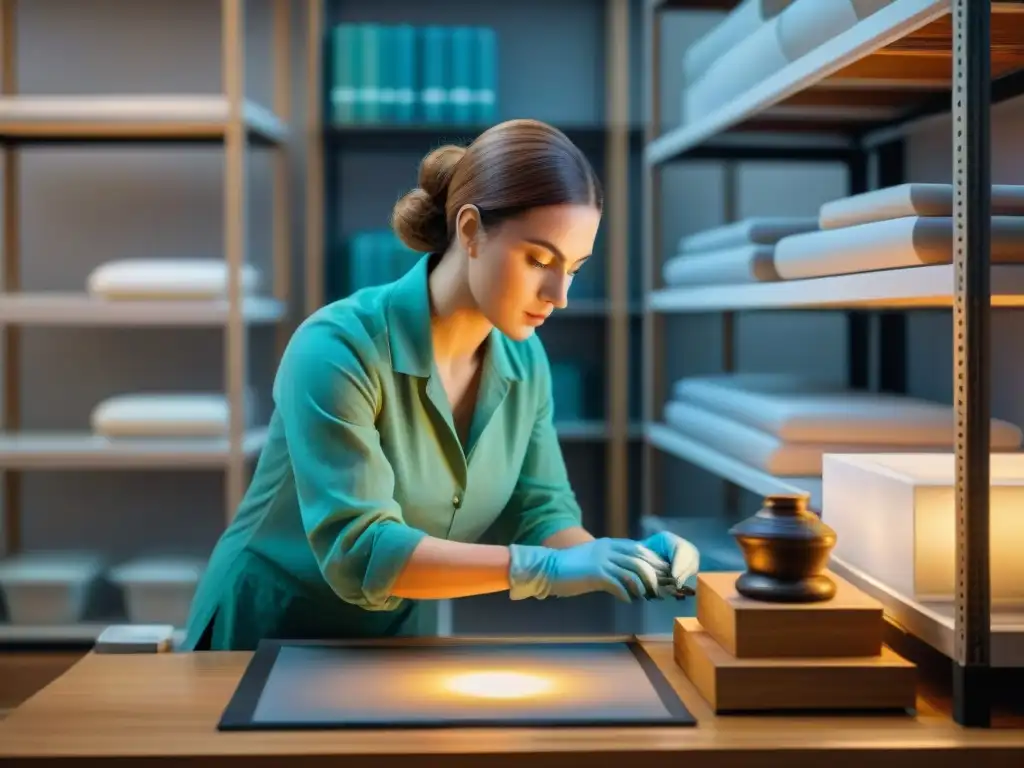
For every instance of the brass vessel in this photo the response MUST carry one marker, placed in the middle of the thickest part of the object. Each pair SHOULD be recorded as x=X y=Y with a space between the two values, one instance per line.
x=786 y=549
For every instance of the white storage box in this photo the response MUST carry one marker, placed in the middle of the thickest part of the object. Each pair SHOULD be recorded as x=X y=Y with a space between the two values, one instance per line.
x=158 y=590
x=48 y=588
x=894 y=517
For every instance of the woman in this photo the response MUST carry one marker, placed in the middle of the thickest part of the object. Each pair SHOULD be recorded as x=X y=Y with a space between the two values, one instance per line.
x=413 y=424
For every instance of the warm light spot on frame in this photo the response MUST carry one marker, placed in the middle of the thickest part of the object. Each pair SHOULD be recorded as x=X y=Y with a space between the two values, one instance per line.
x=498 y=685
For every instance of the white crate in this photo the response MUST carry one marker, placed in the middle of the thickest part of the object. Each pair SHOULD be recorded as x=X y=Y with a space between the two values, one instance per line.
x=894 y=516
x=158 y=590
x=47 y=588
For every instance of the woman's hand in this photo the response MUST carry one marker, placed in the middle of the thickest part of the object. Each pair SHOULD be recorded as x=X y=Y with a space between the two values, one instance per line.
x=621 y=567
x=682 y=557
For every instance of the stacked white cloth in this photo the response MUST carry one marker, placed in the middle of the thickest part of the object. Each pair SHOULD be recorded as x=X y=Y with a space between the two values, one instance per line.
x=783 y=424
x=167 y=279
x=756 y=40
x=167 y=415
x=742 y=252
x=907 y=225
x=736 y=26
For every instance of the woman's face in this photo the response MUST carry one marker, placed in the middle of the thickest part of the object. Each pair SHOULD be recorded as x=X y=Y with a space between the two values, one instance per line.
x=520 y=271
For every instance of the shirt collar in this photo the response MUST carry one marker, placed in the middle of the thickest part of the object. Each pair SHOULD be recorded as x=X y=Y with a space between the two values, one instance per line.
x=408 y=327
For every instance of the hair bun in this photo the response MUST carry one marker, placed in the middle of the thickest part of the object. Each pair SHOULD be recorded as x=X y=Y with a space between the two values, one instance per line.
x=419 y=218
x=436 y=171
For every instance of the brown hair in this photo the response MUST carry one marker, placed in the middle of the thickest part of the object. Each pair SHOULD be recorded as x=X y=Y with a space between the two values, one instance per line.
x=510 y=168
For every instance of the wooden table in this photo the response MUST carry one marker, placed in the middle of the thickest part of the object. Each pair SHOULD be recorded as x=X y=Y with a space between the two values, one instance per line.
x=163 y=709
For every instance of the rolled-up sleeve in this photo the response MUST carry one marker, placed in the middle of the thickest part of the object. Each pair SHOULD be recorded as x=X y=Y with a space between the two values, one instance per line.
x=543 y=502
x=327 y=398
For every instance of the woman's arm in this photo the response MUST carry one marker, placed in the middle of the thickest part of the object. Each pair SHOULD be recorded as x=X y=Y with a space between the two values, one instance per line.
x=568 y=537
x=439 y=569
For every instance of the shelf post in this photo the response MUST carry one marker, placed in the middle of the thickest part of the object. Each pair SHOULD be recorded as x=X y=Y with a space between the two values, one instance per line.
x=235 y=246
x=858 y=322
x=10 y=282
x=730 y=178
x=653 y=322
x=617 y=510
x=971 y=101
x=889 y=345
x=282 y=217
x=314 y=260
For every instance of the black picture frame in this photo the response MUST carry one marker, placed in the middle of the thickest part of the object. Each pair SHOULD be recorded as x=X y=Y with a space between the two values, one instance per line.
x=239 y=714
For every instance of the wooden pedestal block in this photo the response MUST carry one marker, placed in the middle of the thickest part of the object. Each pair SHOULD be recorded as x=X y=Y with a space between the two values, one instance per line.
x=729 y=684
x=848 y=625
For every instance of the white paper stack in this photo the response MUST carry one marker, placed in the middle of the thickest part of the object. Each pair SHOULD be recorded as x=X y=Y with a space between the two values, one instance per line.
x=784 y=424
x=742 y=252
x=135 y=638
x=908 y=225
x=736 y=26
x=166 y=415
x=808 y=24
x=751 y=60
x=167 y=279
x=915 y=199
x=758 y=39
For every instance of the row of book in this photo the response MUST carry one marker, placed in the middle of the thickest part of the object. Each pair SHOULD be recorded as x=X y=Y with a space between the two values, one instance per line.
x=374 y=257
x=405 y=74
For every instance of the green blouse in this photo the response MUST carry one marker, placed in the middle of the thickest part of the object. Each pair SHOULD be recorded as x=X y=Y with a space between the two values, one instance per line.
x=363 y=460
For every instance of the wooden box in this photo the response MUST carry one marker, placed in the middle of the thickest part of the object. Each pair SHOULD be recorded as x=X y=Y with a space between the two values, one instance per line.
x=729 y=684
x=848 y=625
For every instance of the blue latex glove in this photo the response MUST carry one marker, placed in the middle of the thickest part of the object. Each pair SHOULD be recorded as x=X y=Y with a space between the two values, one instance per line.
x=622 y=567
x=682 y=557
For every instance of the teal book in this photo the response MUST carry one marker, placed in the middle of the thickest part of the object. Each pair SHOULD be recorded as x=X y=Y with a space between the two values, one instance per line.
x=589 y=281
x=369 y=82
x=436 y=68
x=485 y=76
x=344 y=73
x=394 y=246
x=359 y=264
x=376 y=267
x=460 y=85
x=336 y=270
x=386 y=68
x=388 y=254
x=586 y=285
x=404 y=257
x=404 y=58
x=567 y=391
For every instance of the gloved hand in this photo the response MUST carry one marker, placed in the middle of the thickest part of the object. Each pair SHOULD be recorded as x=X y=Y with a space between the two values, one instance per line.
x=682 y=556
x=622 y=567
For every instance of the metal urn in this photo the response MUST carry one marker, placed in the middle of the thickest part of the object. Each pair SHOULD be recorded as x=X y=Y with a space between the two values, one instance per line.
x=786 y=549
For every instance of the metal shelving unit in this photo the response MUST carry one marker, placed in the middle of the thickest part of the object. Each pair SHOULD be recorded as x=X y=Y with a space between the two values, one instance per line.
x=856 y=97
x=228 y=119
